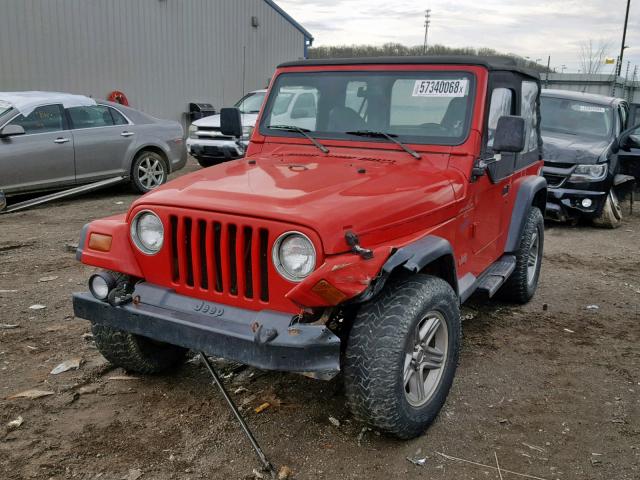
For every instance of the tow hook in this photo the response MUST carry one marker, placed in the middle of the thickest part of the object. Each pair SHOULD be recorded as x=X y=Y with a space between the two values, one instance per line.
x=120 y=295
x=354 y=242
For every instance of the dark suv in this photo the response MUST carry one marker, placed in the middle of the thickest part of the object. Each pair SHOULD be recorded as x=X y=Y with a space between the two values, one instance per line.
x=589 y=158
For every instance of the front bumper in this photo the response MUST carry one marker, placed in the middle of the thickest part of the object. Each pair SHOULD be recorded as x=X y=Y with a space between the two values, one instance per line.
x=215 y=149
x=566 y=203
x=268 y=340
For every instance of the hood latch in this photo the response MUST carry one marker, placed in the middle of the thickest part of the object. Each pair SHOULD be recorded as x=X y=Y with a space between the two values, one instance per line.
x=354 y=243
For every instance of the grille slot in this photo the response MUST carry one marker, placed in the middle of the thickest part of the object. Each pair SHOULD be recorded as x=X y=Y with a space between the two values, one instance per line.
x=264 y=266
x=220 y=257
x=554 y=181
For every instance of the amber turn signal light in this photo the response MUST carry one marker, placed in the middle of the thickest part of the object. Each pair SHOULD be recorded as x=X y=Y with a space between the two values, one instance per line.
x=328 y=292
x=100 y=242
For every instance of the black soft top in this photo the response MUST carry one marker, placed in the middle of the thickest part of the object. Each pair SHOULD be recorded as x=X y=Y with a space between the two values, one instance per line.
x=582 y=97
x=490 y=63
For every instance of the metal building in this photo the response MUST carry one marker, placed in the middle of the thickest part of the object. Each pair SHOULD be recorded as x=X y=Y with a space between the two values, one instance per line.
x=162 y=54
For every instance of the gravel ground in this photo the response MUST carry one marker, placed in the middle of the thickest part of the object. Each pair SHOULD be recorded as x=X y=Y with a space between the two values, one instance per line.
x=550 y=390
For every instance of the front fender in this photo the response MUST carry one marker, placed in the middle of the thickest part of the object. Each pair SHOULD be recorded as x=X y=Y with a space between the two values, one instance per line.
x=120 y=257
x=348 y=273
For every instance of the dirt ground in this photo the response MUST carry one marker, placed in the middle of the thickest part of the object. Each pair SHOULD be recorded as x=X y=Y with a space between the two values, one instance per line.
x=550 y=390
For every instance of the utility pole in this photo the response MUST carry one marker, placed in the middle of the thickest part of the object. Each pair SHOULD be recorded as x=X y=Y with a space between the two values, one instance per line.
x=546 y=82
x=427 y=22
x=624 y=39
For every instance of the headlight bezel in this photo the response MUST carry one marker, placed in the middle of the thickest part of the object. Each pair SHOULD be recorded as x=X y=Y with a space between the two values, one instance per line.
x=277 y=261
x=583 y=173
x=135 y=237
x=193 y=129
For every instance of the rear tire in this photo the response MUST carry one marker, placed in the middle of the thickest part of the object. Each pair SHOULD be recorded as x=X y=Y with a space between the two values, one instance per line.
x=523 y=282
x=611 y=215
x=402 y=355
x=149 y=171
x=135 y=353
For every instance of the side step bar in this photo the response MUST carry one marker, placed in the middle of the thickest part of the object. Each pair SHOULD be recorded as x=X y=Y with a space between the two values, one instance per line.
x=64 y=194
x=495 y=276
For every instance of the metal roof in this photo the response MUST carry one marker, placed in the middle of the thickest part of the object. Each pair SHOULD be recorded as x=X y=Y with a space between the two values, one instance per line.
x=581 y=96
x=491 y=63
x=290 y=19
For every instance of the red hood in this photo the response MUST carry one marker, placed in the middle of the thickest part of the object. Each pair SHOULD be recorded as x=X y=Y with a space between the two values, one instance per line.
x=390 y=197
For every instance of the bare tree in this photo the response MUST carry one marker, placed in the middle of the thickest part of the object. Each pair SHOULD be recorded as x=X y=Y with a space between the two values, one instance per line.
x=592 y=57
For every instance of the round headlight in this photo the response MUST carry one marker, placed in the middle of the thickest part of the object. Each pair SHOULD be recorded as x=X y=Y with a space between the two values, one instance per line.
x=147 y=232
x=294 y=256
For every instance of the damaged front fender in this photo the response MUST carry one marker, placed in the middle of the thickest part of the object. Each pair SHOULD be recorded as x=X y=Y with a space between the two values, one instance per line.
x=339 y=278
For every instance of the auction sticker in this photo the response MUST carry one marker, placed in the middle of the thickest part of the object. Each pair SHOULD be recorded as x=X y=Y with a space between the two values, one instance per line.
x=441 y=88
x=591 y=109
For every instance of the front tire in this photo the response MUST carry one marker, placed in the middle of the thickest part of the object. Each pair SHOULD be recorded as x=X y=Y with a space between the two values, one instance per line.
x=135 y=353
x=149 y=171
x=402 y=355
x=611 y=215
x=523 y=282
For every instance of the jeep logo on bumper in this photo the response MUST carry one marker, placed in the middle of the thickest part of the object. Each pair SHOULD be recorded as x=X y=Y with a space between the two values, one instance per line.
x=208 y=308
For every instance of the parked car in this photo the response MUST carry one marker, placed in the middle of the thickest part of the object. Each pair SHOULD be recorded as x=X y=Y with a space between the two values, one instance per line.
x=584 y=166
x=56 y=140
x=345 y=246
x=209 y=146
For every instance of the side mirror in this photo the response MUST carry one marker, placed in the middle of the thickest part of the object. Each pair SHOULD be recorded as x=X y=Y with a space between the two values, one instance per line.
x=509 y=135
x=231 y=122
x=630 y=138
x=11 y=131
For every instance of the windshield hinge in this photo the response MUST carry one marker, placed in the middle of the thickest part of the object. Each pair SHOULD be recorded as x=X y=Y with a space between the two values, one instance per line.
x=354 y=243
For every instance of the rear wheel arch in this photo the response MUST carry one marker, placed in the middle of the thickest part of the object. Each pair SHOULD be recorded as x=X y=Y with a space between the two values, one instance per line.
x=149 y=148
x=540 y=200
x=532 y=191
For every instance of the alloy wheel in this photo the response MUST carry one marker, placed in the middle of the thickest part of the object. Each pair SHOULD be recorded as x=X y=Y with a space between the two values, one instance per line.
x=425 y=361
x=151 y=172
x=533 y=258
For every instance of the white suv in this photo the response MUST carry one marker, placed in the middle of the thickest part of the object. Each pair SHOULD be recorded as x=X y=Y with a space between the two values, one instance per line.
x=209 y=146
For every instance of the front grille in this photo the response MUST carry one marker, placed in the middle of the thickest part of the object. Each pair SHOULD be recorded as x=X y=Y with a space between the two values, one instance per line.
x=213 y=133
x=220 y=257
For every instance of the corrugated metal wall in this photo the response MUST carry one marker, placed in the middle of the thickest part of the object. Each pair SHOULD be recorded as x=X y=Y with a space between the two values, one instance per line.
x=600 y=84
x=160 y=53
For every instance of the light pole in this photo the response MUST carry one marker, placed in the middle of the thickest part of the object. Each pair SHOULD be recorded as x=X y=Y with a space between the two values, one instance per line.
x=624 y=39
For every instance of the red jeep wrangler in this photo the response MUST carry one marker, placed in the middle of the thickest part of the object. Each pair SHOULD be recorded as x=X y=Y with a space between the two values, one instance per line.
x=347 y=244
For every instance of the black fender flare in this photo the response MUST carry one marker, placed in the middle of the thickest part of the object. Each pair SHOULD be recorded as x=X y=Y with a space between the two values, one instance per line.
x=527 y=191
x=413 y=257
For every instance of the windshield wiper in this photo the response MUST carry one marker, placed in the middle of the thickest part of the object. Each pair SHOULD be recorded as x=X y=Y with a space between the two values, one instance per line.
x=388 y=136
x=301 y=131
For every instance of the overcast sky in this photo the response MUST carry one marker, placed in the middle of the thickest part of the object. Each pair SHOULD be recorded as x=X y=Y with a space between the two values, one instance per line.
x=532 y=29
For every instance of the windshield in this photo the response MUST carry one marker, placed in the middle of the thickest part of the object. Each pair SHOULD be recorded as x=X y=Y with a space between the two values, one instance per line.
x=575 y=118
x=423 y=107
x=251 y=103
x=4 y=107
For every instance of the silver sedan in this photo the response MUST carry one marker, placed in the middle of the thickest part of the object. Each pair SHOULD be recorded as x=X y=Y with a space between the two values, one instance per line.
x=53 y=141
